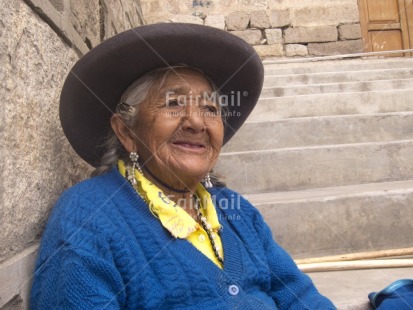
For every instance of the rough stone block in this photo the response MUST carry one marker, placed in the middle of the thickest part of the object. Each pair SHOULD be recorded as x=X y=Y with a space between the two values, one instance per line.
x=217 y=21
x=84 y=16
x=34 y=62
x=120 y=16
x=279 y=18
x=254 y=3
x=157 y=19
x=154 y=8
x=336 y=48
x=349 y=32
x=274 y=36
x=62 y=24
x=270 y=50
x=332 y=13
x=296 y=50
x=250 y=36
x=187 y=19
x=259 y=20
x=173 y=7
x=127 y=13
x=237 y=20
x=58 y=4
x=310 y=34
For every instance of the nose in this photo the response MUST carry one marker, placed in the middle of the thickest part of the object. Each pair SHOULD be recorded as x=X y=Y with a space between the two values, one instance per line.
x=193 y=120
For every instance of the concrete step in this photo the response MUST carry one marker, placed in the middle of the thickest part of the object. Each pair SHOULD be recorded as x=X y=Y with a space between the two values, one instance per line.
x=338 y=77
x=319 y=166
x=348 y=290
x=338 y=220
x=347 y=87
x=309 y=131
x=386 y=101
x=278 y=68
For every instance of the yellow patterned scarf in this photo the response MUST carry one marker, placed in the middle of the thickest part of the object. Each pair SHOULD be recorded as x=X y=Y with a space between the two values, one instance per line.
x=173 y=218
x=176 y=220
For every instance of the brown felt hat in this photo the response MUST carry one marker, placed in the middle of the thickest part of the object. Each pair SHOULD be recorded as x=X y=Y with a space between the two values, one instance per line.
x=96 y=82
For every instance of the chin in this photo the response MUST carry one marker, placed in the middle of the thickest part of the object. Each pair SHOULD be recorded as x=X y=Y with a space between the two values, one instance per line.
x=192 y=171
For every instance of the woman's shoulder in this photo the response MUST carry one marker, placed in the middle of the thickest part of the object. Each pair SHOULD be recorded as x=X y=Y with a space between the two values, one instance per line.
x=94 y=196
x=97 y=184
x=95 y=188
x=90 y=208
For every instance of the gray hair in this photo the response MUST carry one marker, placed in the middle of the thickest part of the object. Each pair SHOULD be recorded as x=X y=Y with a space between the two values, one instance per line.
x=128 y=107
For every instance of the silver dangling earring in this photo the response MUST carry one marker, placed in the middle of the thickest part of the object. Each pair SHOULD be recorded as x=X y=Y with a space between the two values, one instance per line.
x=208 y=183
x=134 y=157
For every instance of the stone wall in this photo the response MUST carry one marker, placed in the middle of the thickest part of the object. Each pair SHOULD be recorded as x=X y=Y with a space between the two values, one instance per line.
x=282 y=28
x=40 y=42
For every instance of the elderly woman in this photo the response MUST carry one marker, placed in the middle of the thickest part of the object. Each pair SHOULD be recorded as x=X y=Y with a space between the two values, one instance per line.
x=145 y=233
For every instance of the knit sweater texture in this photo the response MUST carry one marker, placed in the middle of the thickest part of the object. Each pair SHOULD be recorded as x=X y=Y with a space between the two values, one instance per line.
x=103 y=249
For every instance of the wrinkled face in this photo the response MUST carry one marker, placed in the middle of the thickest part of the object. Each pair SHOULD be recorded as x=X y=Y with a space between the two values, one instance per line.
x=179 y=132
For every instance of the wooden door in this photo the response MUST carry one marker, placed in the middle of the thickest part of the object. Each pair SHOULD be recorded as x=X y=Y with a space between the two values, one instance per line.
x=386 y=25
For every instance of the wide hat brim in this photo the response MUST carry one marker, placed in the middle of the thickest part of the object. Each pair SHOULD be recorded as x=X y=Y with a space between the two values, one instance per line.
x=96 y=82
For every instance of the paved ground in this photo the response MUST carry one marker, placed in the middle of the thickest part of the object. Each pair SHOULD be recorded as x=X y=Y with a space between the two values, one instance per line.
x=349 y=289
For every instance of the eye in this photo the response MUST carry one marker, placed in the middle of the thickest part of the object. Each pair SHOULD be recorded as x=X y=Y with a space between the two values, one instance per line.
x=172 y=103
x=211 y=108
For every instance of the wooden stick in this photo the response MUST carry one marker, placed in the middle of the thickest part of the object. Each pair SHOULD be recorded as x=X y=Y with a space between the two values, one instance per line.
x=356 y=265
x=356 y=256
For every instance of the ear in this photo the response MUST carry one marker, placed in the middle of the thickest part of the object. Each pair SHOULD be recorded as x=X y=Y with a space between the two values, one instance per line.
x=122 y=132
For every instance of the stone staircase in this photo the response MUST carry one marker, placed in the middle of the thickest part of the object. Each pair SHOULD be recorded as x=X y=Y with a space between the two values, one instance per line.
x=327 y=156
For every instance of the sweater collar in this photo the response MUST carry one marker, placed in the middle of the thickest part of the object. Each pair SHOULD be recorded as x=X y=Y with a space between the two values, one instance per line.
x=232 y=266
x=174 y=218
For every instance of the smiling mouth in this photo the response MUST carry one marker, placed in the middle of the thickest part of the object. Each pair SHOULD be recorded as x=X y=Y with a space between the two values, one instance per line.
x=190 y=145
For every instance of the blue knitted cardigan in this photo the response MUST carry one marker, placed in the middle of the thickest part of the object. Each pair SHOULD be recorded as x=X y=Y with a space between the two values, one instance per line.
x=103 y=249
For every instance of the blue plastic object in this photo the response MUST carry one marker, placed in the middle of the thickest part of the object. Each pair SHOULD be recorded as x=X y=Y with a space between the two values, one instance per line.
x=396 y=296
